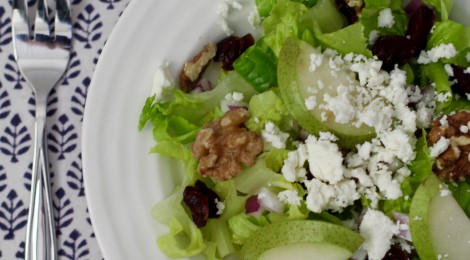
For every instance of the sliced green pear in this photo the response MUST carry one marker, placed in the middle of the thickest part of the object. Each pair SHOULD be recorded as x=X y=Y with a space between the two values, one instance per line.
x=438 y=225
x=306 y=251
x=298 y=82
x=301 y=239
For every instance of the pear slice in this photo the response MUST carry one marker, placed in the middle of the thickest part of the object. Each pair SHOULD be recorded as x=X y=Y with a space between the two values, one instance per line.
x=439 y=227
x=296 y=84
x=301 y=239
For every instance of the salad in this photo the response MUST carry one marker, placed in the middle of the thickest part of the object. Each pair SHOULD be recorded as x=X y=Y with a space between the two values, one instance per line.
x=332 y=130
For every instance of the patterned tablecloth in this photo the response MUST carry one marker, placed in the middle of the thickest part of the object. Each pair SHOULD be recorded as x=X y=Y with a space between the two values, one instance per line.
x=93 y=21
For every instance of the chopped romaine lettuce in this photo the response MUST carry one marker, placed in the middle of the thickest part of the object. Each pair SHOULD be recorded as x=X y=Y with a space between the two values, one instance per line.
x=184 y=238
x=443 y=7
x=347 y=40
x=181 y=117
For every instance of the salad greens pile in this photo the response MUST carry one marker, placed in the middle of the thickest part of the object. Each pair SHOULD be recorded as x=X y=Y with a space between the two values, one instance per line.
x=179 y=116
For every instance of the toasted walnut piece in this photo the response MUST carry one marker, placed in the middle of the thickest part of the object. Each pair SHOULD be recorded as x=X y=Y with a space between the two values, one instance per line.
x=193 y=70
x=453 y=163
x=225 y=145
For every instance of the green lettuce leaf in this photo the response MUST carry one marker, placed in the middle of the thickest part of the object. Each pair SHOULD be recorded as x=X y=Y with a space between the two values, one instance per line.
x=268 y=107
x=421 y=166
x=259 y=175
x=284 y=22
x=347 y=40
x=184 y=114
x=243 y=225
x=443 y=7
x=257 y=65
x=461 y=192
x=327 y=16
x=452 y=32
x=436 y=74
x=392 y=4
x=184 y=238
x=217 y=231
x=275 y=158
x=370 y=17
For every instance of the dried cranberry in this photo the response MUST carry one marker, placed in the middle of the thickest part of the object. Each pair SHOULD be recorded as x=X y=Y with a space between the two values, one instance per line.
x=211 y=196
x=396 y=252
x=202 y=202
x=462 y=85
x=230 y=48
x=419 y=27
x=391 y=50
x=348 y=11
x=198 y=203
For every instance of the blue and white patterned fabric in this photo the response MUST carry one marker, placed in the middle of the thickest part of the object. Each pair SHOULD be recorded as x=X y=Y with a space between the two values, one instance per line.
x=93 y=21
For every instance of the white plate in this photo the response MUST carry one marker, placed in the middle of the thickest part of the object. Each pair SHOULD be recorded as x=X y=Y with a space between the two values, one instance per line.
x=122 y=180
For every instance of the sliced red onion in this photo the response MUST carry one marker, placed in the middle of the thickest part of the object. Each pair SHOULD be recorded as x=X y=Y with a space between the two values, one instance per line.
x=403 y=222
x=202 y=86
x=252 y=206
x=227 y=105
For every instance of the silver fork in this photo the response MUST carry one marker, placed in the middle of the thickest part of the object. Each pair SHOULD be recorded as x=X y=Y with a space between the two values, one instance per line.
x=42 y=59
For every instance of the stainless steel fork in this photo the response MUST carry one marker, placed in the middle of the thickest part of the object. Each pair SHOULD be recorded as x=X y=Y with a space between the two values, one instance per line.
x=42 y=57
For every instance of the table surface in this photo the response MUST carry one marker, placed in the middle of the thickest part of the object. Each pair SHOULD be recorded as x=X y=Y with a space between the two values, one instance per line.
x=93 y=21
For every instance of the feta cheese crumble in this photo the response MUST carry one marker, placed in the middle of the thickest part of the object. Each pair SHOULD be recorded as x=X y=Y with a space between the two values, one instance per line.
x=325 y=160
x=273 y=136
x=442 y=51
x=386 y=19
x=377 y=240
x=439 y=147
x=220 y=207
x=290 y=197
x=163 y=82
x=315 y=61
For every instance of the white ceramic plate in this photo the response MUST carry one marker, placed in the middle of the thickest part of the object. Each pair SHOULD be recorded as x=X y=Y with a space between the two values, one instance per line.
x=122 y=180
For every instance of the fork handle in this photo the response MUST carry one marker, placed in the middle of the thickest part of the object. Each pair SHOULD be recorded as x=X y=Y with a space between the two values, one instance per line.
x=40 y=198
x=32 y=226
x=50 y=233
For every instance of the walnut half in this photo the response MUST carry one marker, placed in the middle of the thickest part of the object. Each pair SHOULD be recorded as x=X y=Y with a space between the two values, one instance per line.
x=225 y=145
x=454 y=162
x=193 y=70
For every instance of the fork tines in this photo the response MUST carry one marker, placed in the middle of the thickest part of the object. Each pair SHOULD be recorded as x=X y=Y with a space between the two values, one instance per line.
x=42 y=29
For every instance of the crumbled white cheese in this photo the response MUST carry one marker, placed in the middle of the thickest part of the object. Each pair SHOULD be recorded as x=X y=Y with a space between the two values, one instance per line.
x=340 y=105
x=293 y=168
x=220 y=207
x=311 y=102
x=327 y=136
x=400 y=144
x=319 y=195
x=273 y=136
x=290 y=197
x=377 y=240
x=234 y=97
x=223 y=10
x=386 y=19
x=464 y=129
x=325 y=160
x=444 y=190
x=443 y=121
x=439 y=147
x=466 y=71
x=316 y=59
x=163 y=82
x=442 y=51
x=443 y=96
